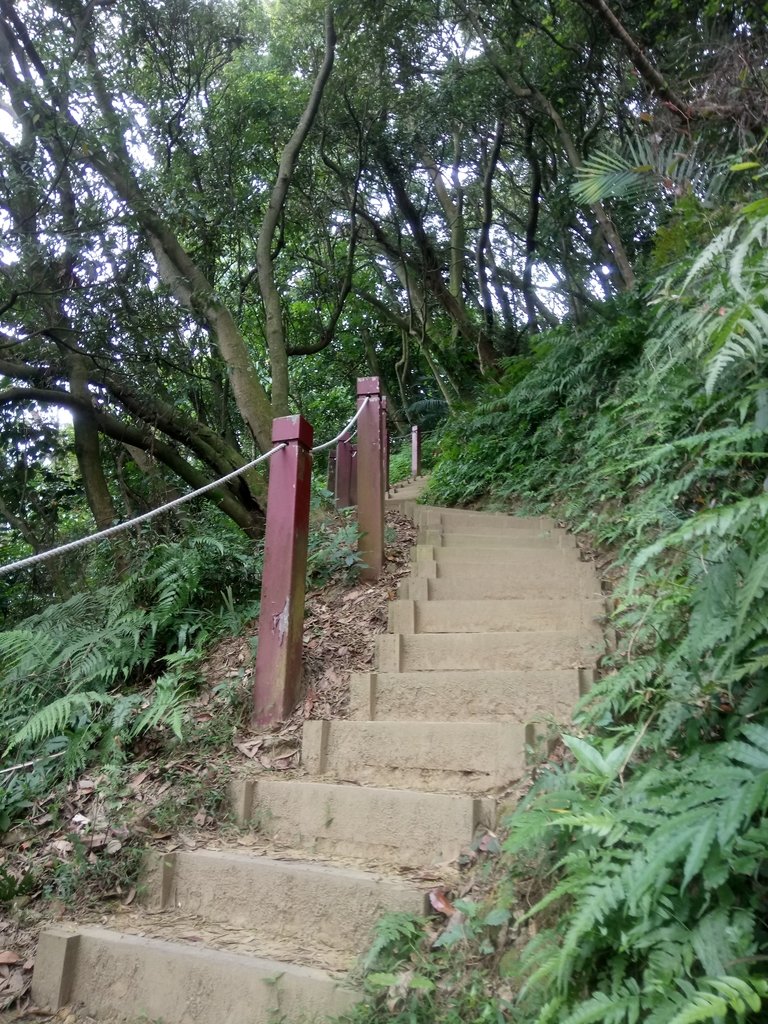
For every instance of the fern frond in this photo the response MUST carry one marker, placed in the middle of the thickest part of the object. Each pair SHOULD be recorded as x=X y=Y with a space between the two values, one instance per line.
x=54 y=718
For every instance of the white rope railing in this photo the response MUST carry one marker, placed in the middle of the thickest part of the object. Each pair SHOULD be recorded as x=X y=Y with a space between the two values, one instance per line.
x=43 y=556
x=110 y=531
x=352 y=422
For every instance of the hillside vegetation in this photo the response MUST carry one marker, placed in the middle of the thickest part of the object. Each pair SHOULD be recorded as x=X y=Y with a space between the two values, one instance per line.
x=544 y=227
x=644 y=430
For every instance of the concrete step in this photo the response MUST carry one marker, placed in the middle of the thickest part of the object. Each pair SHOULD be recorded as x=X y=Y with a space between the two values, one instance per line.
x=527 y=568
x=480 y=586
x=115 y=976
x=510 y=558
x=385 y=826
x=425 y=652
x=496 y=616
x=466 y=757
x=508 y=540
x=404 y=505
x=435 y=516
x=285 y=900
x=487 y=695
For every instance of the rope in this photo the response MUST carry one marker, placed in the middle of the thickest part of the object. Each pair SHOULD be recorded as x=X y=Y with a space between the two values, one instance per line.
x=352 y=422
x=43 y=556
x=112 y=530
x=31 y=764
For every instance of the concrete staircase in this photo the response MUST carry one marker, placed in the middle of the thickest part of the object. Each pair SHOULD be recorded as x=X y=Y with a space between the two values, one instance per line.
x=497 y=628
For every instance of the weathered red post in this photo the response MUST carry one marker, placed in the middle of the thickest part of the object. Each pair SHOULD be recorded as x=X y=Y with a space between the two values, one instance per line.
x=384 y=444
x=370 y=478
x=343 y=489
x=332 y=472
x=415 y=451
x=278 y=659
x=353 y=477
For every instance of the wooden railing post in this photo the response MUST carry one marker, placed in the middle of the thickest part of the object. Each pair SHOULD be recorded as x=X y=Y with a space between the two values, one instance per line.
x=384 y=444
x=415 y=451
x=332 y=471
x=370 y=478
x=343 y=488
x=353 y=477
x=281 y=622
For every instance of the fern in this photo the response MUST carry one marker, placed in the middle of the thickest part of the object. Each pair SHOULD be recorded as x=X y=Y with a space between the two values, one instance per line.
x=55 y=717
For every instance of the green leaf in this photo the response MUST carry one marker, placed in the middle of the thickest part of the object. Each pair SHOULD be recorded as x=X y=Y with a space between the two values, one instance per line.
x=587 y=756
x=702 y=841
x=382 y=979
x=420 y=983
x=498 y=916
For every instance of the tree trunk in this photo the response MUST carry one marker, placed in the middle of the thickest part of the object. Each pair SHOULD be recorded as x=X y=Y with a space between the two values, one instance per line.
x=274 y=329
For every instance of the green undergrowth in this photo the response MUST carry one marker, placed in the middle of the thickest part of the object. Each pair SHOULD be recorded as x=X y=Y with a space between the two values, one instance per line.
x=86 y=680
x=646 y=431
x=400 y=457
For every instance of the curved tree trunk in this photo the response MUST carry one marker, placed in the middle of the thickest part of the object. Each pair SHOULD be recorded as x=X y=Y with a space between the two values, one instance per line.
x=276 y=345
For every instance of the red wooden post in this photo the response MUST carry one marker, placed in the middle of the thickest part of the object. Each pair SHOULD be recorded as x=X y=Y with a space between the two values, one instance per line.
x=332 y=472
x=370 y=478
x=344 y=467
x=415 y=451
x=353 y=477
x=281 y=621
x=384 y=444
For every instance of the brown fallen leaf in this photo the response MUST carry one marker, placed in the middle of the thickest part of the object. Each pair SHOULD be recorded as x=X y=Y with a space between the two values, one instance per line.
x=137 y=780
x=440 y=902
x=7 y=956
x=97 y=841
x=250 y=747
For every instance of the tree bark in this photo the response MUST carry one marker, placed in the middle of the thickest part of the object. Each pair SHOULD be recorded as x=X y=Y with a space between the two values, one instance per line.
x=649 y=72
x=484 y=235
x=531 y=229
x=88 y=446
x=270 y=296
x=432 y=274
x=241 y=509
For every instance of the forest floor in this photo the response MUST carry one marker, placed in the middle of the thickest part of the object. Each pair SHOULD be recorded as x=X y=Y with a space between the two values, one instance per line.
x=81 y=849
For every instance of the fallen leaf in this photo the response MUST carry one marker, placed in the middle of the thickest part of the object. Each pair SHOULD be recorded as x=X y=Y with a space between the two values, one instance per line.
x=97 y=841
x=7 y=956
x=439 y=901
x=137 y=780
x=250 y=747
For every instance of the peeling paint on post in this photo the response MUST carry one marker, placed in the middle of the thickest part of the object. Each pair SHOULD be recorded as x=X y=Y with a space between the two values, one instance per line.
x=370 y=478
x=343 y=488
x=281 y=622
x=415 y=451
